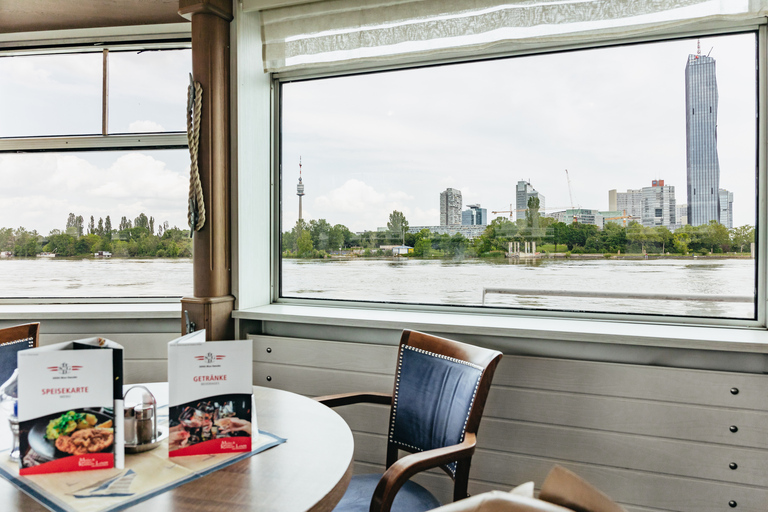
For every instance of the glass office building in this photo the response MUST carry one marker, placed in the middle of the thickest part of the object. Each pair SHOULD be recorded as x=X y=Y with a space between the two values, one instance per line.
x=702 y=163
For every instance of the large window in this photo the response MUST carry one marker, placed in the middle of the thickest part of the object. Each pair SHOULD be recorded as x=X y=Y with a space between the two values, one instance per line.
x=95 y=169
x=608 y=180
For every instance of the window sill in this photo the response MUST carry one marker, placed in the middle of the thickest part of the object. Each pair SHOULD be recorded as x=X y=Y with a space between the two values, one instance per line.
x=116 y=311
x=725 y=339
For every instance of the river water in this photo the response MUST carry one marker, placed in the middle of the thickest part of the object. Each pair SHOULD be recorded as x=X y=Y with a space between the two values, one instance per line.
x=462 y=282
x=415 y=281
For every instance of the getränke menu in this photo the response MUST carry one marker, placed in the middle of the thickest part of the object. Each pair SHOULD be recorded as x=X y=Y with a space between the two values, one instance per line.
x=210 y=395
x=68 y=393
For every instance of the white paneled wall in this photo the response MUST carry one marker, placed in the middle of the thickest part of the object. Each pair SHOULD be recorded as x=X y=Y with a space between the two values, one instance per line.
x=654 y=439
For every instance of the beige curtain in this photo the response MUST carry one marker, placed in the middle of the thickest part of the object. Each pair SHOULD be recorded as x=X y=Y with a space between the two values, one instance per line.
x=352 y=33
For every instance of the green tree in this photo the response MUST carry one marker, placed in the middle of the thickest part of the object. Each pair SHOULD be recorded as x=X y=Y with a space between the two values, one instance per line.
x=108 y=228
x=397 y=225
x=741 y=236
x=91 y=226
x=304 y=244
x=423 y=248
x=100 y=229
x=320 y=231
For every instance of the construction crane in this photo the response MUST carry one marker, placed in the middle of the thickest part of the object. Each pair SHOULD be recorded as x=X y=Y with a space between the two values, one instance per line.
x=547 y=208
x=623 y=218
x=570 y=193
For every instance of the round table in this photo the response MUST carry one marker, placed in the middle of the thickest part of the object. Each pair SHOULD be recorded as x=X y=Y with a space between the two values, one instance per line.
x=310 y=471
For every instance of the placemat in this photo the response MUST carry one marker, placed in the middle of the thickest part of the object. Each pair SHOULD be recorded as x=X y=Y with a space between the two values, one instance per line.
x=145 y=475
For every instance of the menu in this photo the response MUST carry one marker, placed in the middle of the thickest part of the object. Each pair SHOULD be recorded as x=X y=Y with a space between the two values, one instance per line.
x=210 y=395
x=68 y=395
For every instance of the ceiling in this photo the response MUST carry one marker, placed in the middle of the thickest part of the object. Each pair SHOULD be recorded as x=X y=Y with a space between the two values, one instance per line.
x=37 y=15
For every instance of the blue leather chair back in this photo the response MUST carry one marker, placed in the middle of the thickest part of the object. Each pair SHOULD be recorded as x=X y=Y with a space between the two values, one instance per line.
x=433 y=397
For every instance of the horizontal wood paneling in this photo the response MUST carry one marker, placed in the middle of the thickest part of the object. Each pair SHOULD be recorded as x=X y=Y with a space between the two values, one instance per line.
x=662 y=419
x=359 y=357
x=634 y=381
x=318 y=381
x=150 y=370
x=655 y=439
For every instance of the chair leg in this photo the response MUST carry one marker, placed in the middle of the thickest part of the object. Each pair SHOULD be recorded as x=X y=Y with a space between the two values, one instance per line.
x=461 y=481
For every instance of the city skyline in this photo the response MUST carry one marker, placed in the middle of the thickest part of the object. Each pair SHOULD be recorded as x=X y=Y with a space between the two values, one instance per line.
x=614 y=117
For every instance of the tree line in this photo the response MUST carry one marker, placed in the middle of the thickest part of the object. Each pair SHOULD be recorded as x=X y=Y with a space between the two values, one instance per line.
x=132 y=238
x=320 y=239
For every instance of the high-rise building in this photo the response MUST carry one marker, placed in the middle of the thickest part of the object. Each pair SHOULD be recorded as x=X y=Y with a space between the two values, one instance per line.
x=629 y=202
x=613 y=200
x=682 y=214
x=659 y=205
x=475 y=216
x=726 y=208
x=524 y=191
x=702 y=163
x=450 y=207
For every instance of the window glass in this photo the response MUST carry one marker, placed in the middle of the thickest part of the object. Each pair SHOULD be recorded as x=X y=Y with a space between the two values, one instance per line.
x=569 y=181
x=148 y=91
x=95 y=224
x=50 y=95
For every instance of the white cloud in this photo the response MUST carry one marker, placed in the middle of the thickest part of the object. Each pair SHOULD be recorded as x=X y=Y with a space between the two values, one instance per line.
x=44 y=188
x=145 y=127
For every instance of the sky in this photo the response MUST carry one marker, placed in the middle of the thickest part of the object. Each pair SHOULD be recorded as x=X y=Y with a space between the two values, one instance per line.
x=61 y=95
x=614 y=118
x=374 y=143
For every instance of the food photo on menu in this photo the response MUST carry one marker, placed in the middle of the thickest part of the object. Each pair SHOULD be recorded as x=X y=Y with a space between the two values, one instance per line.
x=74 y=432
x=212 y=419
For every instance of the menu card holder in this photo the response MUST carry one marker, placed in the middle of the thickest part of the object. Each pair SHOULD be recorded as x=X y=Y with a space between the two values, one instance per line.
x=210 y=395
x=68 y=395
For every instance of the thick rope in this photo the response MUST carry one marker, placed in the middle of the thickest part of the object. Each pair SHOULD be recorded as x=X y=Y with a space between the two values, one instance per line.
x=196 y=212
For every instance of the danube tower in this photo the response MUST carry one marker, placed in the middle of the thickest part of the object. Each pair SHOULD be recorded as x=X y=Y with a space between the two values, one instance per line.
x=300 y=188
x=702 y=163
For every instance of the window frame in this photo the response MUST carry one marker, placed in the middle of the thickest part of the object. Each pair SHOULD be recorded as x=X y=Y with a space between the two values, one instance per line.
x=761 y=261
x=168 y=37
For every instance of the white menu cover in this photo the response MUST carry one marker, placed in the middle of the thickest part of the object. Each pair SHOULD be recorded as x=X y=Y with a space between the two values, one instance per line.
x=68 y=393
x=210 y=395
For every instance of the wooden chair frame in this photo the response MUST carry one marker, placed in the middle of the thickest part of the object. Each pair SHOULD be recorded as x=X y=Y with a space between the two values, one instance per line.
x=401 y=470
x=20 y=332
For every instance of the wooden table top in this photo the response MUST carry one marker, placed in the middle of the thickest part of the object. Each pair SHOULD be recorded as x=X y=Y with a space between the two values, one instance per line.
x=310 y=471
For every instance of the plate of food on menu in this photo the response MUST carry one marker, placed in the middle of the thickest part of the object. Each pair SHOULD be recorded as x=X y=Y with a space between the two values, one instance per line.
x=74 y=432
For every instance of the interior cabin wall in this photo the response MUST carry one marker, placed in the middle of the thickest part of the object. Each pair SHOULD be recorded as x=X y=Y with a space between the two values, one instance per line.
x=145 y=341
x=654 y=438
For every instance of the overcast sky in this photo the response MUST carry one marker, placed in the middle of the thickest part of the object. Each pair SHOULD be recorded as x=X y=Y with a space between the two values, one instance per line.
x=370 y=144
x=61 y=94
x=615 y=118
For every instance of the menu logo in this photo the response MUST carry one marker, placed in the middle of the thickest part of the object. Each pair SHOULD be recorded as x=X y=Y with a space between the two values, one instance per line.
x=64 y=369
x=209 y=358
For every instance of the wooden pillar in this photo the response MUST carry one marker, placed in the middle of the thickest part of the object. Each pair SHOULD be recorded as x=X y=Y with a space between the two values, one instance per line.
x=212 y=305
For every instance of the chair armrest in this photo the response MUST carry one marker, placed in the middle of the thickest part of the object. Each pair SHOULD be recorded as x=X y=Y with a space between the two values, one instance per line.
x=403 y=469
x=355 y=398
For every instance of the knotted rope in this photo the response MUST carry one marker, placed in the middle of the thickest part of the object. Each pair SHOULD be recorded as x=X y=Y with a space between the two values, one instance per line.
x=196 y=212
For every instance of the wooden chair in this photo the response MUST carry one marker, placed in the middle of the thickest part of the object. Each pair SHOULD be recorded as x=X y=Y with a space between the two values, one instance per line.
x=440 y=391
x=13 y=339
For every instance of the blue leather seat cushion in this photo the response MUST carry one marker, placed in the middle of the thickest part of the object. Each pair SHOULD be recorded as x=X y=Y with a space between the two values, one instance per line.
x=433 y=400
x=410 y=498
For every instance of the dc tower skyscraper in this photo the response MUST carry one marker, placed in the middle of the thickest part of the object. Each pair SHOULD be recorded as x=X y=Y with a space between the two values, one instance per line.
x=702 y=163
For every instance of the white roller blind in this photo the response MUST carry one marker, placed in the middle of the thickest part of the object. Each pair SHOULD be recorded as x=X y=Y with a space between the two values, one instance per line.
x=344 y=33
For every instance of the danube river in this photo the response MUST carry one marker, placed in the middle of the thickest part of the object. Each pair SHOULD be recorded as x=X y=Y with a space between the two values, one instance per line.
x=415 y=281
